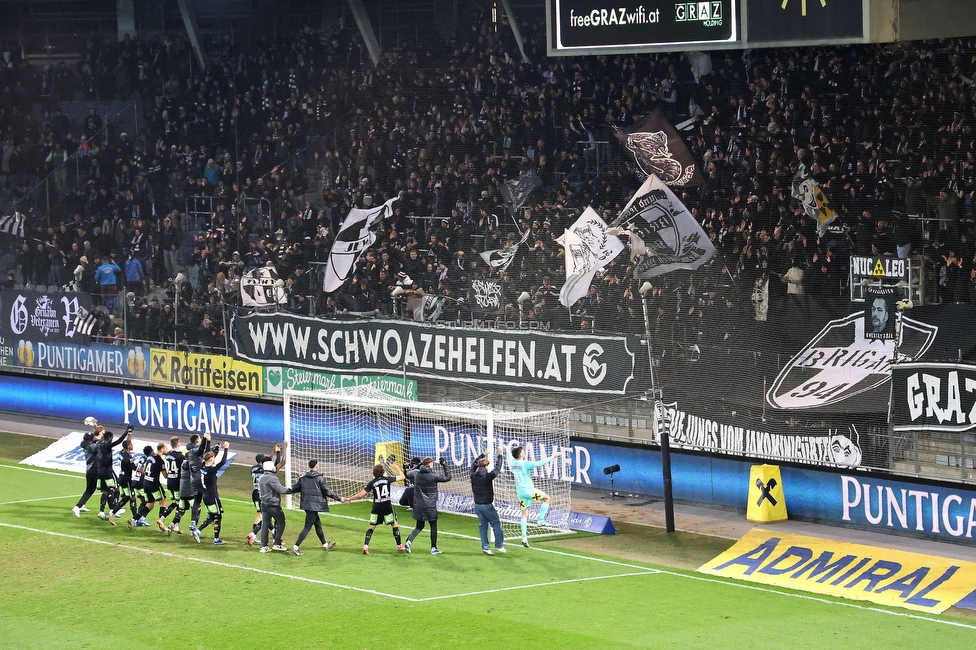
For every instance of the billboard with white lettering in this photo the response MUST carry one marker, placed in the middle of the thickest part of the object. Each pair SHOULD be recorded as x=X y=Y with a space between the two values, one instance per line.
x=582 y=363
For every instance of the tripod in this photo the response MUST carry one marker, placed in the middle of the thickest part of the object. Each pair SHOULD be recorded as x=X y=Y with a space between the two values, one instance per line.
x=613 y=493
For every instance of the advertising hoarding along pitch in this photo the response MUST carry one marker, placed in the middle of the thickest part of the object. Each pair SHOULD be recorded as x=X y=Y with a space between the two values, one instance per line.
x=587 y=27
x=206 y=372
x=885 y=576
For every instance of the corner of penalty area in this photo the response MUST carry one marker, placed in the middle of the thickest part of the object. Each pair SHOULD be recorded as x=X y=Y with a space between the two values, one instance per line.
x=767 y=500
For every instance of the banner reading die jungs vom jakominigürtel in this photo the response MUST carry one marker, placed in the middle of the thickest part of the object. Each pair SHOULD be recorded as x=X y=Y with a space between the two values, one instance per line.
x=205 y=372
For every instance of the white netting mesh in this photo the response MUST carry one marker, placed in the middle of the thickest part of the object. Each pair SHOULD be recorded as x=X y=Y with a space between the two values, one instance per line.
x=348 y=430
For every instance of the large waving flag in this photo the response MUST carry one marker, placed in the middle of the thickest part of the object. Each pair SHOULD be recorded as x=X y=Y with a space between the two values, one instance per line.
x=13 y=224
x=501 y=258
x=807 y=191
x=588 y=249
x=518 y=189
x=354 y=236
x=657 y=149
x=664 y=235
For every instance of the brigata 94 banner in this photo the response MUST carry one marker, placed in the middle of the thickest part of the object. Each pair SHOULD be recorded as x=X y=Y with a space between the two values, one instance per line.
x=582 y=363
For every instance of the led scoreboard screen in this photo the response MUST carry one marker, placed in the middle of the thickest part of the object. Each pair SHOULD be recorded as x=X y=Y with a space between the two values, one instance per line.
x=592 y=27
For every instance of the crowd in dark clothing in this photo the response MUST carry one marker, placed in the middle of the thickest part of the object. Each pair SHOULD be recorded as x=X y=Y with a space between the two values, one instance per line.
x=311 y=127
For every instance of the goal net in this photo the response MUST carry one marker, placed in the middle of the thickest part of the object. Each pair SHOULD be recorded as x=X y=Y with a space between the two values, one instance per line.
x=349 y=430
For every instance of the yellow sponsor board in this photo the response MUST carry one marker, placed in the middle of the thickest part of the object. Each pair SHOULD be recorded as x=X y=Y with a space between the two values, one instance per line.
x=921 y=582
x=206 y=372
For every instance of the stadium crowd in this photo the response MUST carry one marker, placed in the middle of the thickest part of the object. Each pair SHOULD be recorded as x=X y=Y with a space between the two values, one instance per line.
x=312 y=128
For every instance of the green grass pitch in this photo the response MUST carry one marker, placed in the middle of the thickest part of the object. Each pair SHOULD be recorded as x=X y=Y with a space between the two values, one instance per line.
x=79 y=583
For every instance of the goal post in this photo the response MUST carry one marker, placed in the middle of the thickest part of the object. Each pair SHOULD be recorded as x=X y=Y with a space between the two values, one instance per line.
x=349 y=430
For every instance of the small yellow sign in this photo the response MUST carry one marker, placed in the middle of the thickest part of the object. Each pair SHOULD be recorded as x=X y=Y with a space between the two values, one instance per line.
x=880 y=575
x=206 y=372
x=389 y=452
x=767 y=501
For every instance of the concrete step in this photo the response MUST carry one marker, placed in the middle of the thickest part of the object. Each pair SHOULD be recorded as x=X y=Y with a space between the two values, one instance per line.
x=933 y=470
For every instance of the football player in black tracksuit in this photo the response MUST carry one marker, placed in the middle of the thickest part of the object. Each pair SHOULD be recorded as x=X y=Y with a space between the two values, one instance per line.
x=106 y=475
x=172 y=467
x=127 y=466
x=208 y=478
x=194 y=455
x=91 y=469
x=256 y=471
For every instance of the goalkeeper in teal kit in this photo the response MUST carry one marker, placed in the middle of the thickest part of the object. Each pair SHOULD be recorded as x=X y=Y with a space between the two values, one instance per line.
x=526 y=490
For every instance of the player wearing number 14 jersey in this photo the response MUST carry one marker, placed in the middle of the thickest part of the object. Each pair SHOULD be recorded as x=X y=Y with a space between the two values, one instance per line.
x=382 y=511
x=172 y=468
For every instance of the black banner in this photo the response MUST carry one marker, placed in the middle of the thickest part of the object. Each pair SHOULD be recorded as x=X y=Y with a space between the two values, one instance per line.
x=486 y=295
x=39 y=316
x=933 y=397
x=776 y=21
x=515 y=358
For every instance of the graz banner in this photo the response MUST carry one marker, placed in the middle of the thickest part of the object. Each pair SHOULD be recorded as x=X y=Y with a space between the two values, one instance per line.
x=95 y=360
x=40 y=316
x=278 y=379
x=563 y=362
x=206 y=372
x=838 y=447
x=933 y=397
x=867 y=573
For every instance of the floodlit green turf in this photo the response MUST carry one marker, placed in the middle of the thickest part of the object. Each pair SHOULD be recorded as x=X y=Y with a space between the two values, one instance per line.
x=79 y=583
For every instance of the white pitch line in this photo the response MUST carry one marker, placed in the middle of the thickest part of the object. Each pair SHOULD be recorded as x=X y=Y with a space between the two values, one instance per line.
x=539 y=584
x=206 y=561
x=41 y=471
x=10 y=503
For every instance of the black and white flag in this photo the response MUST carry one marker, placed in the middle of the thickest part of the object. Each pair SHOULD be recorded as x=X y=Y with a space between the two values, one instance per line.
x=588 y=249
x=13 y=224
x=501 y=258
x=517 y=190
x=261 y=287
x=657 y=149
x=354 y=237
x=429 y=308
x=808 y=192
x=664 y=235
x=85 y=322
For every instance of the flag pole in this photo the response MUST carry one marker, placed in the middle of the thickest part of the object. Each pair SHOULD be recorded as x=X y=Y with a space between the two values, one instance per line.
x=656 y=396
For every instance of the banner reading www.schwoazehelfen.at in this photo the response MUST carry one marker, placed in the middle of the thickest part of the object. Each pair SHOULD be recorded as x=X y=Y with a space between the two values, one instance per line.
x=513 y=358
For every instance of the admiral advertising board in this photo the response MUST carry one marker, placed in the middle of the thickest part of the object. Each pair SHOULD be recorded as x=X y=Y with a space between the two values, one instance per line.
x=514 y=358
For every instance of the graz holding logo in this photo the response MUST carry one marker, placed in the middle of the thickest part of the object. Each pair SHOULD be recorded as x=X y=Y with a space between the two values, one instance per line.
x=840 y=363
x=708 y=13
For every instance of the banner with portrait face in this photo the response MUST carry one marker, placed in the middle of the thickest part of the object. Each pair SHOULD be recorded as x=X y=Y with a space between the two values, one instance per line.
x=879 y=314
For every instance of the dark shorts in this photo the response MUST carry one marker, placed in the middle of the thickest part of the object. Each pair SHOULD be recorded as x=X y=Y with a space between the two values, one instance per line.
x=382 y=513
x=214 y=506
x=256 y=500
x=172 y=492
x=154 y=493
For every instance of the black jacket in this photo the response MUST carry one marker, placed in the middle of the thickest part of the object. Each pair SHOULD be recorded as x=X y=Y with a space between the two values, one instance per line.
x=315 y=492
x=105 y=452
x=425 y=482
x=481 y=481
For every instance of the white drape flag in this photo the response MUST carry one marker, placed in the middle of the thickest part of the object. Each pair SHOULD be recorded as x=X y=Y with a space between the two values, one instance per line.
x=354 y=237
x=664 y=235
x=588 y=249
